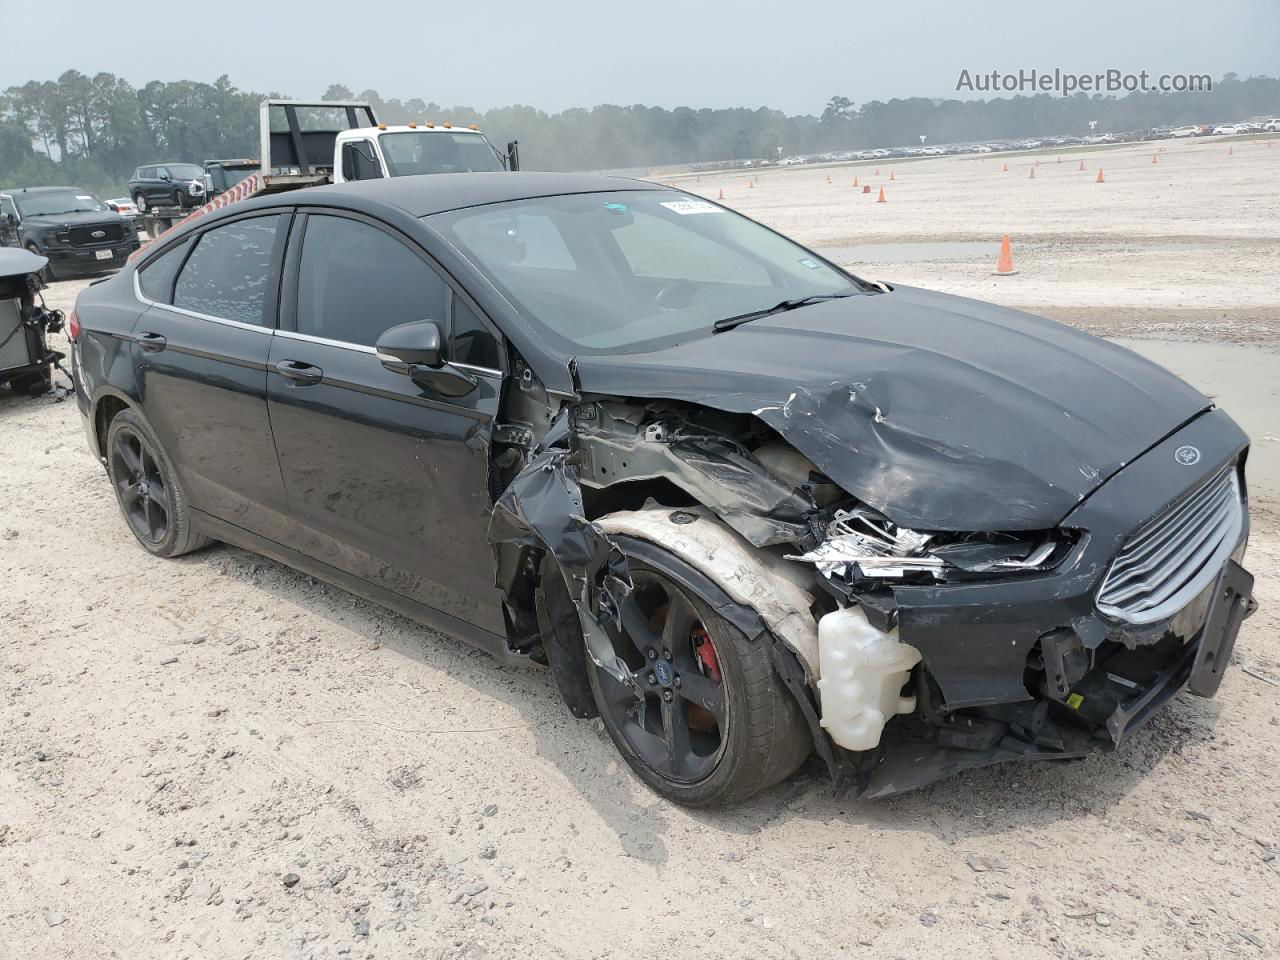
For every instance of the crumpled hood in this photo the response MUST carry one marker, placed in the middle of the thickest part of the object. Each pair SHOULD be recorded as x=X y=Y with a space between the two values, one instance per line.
x=942 y=412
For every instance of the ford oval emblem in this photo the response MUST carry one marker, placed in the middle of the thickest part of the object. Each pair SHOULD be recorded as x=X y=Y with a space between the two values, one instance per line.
x=98 y=234
x=1187 y=455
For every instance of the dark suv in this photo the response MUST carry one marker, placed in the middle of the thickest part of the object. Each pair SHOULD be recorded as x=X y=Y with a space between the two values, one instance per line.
x=167 y=184
x=74 y=230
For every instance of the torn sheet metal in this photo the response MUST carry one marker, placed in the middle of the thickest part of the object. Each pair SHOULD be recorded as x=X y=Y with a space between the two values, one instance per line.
x=713 y=468
x=542 y=507
x=940 y=412
x=862 y=544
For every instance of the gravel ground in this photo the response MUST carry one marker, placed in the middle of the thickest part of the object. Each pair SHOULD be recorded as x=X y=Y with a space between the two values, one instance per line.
x=220 y=757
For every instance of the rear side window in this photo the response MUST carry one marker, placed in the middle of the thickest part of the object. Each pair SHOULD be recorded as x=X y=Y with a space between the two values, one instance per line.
x=355 y=282
x=155 y=280
x=230 y=270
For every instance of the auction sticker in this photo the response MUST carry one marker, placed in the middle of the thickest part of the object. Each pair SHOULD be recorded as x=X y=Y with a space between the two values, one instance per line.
x=687 y=207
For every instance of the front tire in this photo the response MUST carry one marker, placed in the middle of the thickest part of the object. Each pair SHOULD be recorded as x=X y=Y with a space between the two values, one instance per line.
x=699 y=714
x=47 y=275
x=147 y=489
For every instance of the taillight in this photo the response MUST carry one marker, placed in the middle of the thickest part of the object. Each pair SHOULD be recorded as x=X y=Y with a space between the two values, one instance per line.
x=73 y=325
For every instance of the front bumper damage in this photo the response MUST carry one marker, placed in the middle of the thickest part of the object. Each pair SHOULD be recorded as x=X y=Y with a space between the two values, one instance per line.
x=1023 y=666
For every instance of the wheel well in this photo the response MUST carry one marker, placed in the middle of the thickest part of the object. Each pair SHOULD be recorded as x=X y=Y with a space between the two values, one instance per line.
x=103 y=414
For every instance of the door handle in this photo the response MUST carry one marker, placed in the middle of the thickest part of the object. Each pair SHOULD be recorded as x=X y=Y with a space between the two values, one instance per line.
x=303 y=374
x=152 y=342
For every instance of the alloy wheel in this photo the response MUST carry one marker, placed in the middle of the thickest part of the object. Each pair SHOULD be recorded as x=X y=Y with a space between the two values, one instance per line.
x=144 y=495
x=670 y=704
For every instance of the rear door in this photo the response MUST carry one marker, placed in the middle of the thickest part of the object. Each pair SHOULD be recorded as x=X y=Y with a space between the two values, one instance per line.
x=388 y=481
x=201 y=355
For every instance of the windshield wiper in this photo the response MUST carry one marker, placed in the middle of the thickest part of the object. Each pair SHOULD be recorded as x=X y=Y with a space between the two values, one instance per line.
x=728 y=323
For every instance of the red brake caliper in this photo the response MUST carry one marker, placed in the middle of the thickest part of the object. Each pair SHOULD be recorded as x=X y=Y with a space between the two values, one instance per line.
x=704 y=652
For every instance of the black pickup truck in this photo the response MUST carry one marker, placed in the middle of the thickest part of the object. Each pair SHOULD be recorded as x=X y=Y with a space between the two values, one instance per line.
x=75 y=231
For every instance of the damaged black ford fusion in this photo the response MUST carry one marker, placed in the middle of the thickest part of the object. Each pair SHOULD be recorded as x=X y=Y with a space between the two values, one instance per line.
x=744 y=505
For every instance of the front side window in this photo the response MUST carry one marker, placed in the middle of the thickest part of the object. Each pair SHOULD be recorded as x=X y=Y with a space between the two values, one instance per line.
x=356 y=281
x=359 y=161
x=628 y=271
x=230 y=270
x=186 y=171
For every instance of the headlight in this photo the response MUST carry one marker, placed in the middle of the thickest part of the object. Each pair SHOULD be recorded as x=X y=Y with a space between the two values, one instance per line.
x=863 y=544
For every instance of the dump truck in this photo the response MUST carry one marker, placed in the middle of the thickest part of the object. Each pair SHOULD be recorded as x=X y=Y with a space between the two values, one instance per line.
x=306 y=144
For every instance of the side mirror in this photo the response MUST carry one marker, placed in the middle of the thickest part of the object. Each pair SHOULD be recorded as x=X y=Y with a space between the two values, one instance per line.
x=165 y=177
x=513 y=155
x=417 y=351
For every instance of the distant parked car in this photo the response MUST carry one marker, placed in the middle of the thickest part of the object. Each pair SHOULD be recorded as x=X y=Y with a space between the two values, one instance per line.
x=1188 y=131
x=933 y=151
x=1272 y=125
x=167 y=184
x=1227 y=130
x=123 y=206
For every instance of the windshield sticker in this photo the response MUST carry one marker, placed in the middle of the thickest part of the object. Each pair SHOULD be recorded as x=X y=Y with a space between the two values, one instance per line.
x=687 y=207
x=809 y=262
x=616 y=207
x=78 y=197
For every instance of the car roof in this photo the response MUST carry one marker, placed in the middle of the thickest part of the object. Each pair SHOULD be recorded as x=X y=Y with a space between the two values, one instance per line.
x=435 y=193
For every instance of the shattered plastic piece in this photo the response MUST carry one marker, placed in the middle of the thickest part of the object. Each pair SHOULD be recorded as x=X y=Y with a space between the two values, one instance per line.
x=864 y=540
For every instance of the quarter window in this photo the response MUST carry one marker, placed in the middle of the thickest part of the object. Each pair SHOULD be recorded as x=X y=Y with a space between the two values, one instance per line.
x=156 y=278
x=230 y=270
x=355 y=282
x=473 y=344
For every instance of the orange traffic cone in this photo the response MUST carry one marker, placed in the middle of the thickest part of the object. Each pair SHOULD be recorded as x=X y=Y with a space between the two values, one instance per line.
x=1006 y=169
x=828 y=178
x=721 y=197
x=1082 y=164
x=891 y=175
x=751 y=184
x=1033 y=174
x=881 y=198
x=1004 y=263
x=866 y=188
x=1101 y=178
x=855 y=181
x=877 y=171
x=1037 y=161
x=1230 y=151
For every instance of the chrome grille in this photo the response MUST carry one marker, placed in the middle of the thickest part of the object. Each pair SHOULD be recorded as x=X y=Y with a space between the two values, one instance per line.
x=1168 y=562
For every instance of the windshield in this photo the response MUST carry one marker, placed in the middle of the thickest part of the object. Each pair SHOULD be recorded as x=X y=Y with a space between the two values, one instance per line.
x=635 y=270
x=411 y=153
x=185 y=171
x=56 y=203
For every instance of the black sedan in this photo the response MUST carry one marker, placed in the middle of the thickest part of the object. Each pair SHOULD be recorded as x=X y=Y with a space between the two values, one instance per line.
x=744 y=505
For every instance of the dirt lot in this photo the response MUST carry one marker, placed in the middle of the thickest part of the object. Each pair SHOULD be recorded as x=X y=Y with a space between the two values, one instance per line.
x=219 y=757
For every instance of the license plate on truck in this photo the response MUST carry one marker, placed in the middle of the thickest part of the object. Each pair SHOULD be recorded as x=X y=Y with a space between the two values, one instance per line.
x=102 y=254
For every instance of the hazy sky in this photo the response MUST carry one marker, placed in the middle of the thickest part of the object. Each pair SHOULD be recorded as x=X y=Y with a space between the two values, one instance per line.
x=555 y=53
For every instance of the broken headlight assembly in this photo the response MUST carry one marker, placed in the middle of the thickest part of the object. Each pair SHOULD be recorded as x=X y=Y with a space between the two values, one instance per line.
x=859 y=543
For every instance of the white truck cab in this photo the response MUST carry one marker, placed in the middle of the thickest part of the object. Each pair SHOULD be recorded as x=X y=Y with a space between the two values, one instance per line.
x=367 y=153
x=340 y=141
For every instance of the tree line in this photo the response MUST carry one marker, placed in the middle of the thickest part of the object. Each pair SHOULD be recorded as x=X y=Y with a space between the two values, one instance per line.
x=93 y=131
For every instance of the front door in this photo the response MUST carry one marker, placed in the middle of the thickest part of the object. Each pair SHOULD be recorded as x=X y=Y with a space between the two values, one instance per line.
x=387 y=480
x=201 y=355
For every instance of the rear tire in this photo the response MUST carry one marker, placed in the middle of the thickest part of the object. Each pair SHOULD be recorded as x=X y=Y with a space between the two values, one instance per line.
x=150 y=497
x=699 y=660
